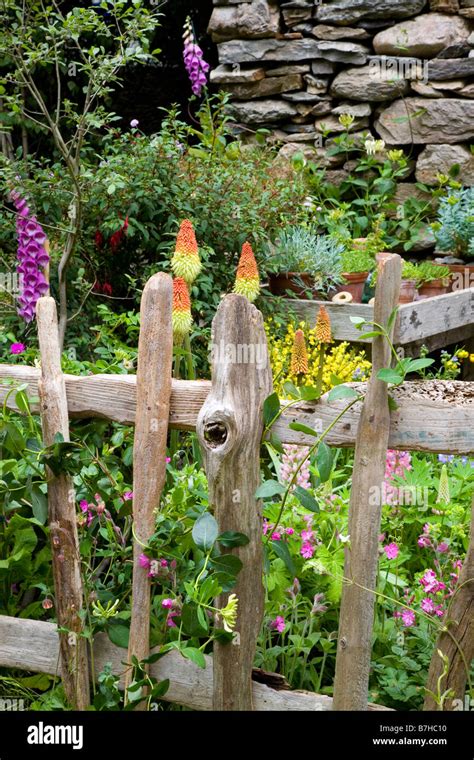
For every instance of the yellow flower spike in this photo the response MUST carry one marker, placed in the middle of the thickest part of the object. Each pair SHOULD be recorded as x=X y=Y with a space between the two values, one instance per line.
x=185 y=262
x=322 y=330
x=247 y=281
x=299 y=355
x=229 y=613
x=181 y=314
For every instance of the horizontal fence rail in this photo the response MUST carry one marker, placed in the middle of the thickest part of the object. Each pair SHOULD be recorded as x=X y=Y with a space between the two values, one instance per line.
x=435 y=416
x=33 y=645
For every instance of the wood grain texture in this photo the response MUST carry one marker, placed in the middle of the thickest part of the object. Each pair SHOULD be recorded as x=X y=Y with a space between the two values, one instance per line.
x=351 y=684
x=62 y=512
x=434 y=415
x=153 y=392
x=416 y=321
x=33 y=645
x=457 y=642
x=229 y=429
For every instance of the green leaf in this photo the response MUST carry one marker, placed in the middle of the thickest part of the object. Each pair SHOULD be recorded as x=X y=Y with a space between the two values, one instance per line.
x=281 y=550
x=389 y=376
x=300 y=428
x=160 y=689
x=392 y=404
x=372 y=334
x=306 y=499
x=268 y=489
x=391 y=319
x=191 y=622
x=357 y=321
x=291 y=390
x=228 y=564
x=271 y=408
x=195 y=655
x=324 y=460
x=309 y=393
x=39 y=504
x=340 y=392
x=231 y=538
x=119 y=635
x=205 y=531
x=414 y=365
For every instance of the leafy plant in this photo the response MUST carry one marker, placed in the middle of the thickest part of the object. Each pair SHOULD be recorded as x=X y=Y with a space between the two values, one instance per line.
x=301 y=249
x=428 y=271
x=454 y=228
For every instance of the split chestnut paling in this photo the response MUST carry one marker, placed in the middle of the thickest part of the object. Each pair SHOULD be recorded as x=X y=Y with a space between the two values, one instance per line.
x=227 y=415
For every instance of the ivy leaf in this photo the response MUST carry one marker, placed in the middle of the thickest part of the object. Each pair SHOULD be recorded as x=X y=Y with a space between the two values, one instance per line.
x=205 y=531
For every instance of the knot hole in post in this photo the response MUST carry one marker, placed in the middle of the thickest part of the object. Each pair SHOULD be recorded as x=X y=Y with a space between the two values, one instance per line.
x=215 y=433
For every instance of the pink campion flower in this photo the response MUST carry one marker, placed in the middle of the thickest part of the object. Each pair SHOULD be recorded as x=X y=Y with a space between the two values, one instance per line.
x=163 y=563
x=289 y=531
x=194 y=62
x=382 y=537
x=423 y=541
x=391 y=550
x=307 y=550
x=169 y=618
x=168 y=460
x=17 y=348
x=278 y=624
x=167 y=603
x=128 y=496
x=430 y=583
x=443 y=547
x=457 y=564
x=307 y=535
x=427 y=605
x=144 y=561
x=408 y=618
x=439 y=611
x=396 y=463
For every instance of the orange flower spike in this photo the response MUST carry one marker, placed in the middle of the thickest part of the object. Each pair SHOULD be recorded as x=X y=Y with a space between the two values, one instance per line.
x=247 y=281
x=185 y=262
x=299 y=355
x=322 y=330
x=181 y=314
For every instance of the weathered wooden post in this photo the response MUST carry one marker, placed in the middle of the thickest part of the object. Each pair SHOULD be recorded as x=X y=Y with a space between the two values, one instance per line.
x=229 y=427
x=62 y=513
x=360 y=570
x=456 y=641
x=155 y=357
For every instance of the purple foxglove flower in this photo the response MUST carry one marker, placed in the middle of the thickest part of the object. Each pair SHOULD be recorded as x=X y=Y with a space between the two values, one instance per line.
x=32 y=257
x=194 y=62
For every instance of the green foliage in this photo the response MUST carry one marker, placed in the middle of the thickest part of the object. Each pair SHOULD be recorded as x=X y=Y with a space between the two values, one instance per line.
x=454 y=227
x=301 y=249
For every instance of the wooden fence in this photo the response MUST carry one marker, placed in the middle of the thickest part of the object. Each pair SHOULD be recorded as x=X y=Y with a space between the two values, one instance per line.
x=227 y=415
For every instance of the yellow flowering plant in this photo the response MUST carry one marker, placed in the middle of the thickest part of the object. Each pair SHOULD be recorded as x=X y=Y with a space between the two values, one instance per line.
x=341 y=361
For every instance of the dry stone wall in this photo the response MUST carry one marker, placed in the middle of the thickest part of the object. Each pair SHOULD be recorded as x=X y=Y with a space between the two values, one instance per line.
x=403 y=68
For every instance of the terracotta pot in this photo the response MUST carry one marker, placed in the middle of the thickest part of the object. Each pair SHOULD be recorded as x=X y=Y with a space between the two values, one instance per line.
x=462 y=276
x=407 y=291
x=433 y=288
x=296 y=282
x=354 y=284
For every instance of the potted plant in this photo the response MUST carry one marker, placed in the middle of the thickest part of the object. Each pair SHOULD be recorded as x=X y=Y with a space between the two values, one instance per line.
x=357 y=263
x=409 y=282
x=304 y=263
x=433 y=279
x=454 y=234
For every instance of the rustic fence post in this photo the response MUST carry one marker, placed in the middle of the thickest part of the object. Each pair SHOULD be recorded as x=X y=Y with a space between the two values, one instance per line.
x=360 y=569
x=229 y=428
x=62 y=513
x=456 y=641
x=155 y=357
